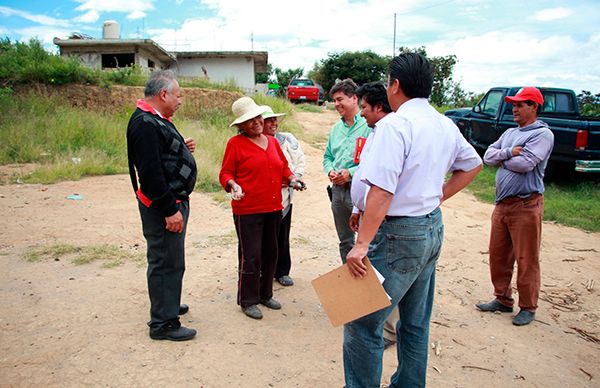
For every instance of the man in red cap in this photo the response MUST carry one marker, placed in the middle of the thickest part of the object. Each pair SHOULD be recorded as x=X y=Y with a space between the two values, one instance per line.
x=522 y=155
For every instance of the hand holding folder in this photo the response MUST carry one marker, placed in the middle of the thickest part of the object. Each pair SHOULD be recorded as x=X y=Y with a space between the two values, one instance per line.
x=345 y=298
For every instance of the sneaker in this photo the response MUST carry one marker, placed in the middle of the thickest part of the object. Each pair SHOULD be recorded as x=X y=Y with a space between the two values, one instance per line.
x=285 y=280
x=169 y=332
x=524 y=317
x=253 y=312
x=271 y=303
x=493 y=306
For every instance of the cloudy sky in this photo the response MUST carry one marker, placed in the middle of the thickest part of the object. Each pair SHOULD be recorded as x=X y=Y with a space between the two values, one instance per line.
x=507 y=42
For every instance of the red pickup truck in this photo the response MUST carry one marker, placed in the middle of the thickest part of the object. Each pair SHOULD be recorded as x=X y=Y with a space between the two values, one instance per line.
x=303 y=90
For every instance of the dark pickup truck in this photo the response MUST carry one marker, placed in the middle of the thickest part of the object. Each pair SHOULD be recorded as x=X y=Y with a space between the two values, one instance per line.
x=576 y=138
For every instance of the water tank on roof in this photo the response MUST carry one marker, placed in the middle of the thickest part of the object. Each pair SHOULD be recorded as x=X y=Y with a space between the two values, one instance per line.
x=110 y=30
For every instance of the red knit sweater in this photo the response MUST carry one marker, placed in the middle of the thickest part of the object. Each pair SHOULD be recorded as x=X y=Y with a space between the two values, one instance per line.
x=259 y=172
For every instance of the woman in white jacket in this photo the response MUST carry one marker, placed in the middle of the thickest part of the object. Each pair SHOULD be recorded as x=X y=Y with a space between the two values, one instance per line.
x=295 y=157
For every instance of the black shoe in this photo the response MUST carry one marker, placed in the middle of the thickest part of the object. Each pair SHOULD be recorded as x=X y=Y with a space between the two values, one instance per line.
x=183 y=308
x=285 y=280
x=253 y=312
x=524 y=317
x=271 y=303
x=170 y=333
x=494 y=305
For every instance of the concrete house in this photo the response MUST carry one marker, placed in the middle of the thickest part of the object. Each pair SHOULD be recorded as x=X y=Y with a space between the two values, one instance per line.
x=111 y=52
x=223 y=66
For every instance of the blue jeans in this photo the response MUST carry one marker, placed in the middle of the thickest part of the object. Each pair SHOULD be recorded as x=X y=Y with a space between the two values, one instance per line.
x=404 y=251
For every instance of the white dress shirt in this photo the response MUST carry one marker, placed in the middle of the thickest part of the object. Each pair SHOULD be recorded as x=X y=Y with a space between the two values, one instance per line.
x=409 y=154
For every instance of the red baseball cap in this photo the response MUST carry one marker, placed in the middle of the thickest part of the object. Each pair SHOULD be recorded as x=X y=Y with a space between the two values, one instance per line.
x=527 y=93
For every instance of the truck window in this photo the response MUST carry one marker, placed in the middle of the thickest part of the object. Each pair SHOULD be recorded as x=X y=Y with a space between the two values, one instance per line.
x=302 y=82
x=557 y=102
x=491 y=103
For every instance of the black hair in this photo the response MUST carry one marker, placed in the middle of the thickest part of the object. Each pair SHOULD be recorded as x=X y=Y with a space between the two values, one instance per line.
x=414 y=73
x=346 y=86
x=539 y=106
x=374 y=94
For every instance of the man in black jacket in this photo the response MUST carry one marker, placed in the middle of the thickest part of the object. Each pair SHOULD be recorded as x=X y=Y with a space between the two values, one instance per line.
x=167 y=174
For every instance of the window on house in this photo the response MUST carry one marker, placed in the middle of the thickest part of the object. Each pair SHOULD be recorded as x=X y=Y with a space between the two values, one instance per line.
x=112 y=61
x=151 y=64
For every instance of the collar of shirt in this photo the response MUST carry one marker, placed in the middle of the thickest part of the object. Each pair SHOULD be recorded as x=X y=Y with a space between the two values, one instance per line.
x=143 y=105
x=357 y=118
x=414 y=104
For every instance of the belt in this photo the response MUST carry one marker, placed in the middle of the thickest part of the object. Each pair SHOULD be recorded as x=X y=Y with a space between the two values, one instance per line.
x=516 y=198
x=389 y=218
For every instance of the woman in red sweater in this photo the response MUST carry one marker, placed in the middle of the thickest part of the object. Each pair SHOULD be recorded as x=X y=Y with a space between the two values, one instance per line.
x=253 y=170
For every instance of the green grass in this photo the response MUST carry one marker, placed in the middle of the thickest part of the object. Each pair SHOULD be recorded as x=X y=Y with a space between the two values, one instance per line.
x=111 y=255
x=310 y=108
x=574 y=204
x=66 y=142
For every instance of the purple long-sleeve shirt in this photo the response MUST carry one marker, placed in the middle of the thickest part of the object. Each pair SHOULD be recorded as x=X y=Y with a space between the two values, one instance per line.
x=523 y=174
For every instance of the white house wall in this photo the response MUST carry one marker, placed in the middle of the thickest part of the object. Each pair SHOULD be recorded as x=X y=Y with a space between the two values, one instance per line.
x=241 y=70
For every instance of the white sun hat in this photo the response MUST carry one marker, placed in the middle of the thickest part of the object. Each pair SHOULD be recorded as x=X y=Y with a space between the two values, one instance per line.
x=269 y=112
x=245 y=109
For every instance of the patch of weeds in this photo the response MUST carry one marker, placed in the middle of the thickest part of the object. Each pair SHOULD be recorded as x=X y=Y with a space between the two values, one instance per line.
x=222 y=199
x=310 y=108
x=112 y=255
x=296 y=241
x=50 y=252
x=223 y=239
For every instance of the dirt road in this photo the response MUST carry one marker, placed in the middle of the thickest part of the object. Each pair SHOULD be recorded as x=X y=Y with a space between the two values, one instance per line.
x=84 y=325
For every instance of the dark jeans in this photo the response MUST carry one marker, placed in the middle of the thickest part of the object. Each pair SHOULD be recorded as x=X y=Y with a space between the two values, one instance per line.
x=341 y=206
x=257 y=256
x=166 y=265
x=284 y=259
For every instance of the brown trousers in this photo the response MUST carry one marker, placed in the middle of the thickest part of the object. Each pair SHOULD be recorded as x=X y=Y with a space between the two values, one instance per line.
x=516 y=236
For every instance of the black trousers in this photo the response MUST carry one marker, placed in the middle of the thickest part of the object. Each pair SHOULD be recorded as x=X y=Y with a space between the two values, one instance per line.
x=257 y=256
x=284 y=259
x=166 y=265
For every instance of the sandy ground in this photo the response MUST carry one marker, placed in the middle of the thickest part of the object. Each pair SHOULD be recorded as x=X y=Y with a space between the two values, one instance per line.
x=84 y=325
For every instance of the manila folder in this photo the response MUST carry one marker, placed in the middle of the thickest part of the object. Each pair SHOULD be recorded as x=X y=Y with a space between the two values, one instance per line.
x=345 y=298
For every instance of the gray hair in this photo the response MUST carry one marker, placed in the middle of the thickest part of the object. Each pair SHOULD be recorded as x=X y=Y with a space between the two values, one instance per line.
x=159 y=80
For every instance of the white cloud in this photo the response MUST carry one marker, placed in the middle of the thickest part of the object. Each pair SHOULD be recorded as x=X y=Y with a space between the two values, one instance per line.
x=36 y=18
x=550 y=14
x=500 y=58
x=137 y=14
x=135 y=9
x=91 y=16
x=319 y=27
x=44 y=33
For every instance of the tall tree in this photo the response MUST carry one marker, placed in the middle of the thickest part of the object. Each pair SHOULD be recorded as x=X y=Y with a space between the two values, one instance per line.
x=361 y=66
x=444 y=90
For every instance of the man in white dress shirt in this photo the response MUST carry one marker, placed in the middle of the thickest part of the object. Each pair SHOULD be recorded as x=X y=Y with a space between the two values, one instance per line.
x=399 y=186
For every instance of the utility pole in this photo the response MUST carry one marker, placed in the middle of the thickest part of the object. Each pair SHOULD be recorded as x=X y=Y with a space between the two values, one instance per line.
x=394 y=48
x=252 y=40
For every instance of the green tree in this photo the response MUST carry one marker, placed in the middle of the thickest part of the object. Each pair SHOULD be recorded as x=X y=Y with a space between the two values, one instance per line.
x=263 y=78
x=361 y=66
x=445 y=91
x=589 y=104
